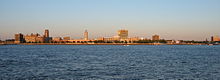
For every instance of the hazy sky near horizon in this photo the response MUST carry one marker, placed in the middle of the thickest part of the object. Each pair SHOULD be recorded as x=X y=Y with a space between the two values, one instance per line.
x=171 y=19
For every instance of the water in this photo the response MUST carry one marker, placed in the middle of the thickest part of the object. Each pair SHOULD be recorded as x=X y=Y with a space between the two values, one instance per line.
x=111 y=62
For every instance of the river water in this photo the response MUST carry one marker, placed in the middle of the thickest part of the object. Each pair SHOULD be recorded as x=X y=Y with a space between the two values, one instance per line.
x=110 y=62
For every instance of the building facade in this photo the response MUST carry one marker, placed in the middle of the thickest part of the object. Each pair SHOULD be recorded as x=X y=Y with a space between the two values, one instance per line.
x=86 y=35
x=155 y=37
x=123 y=34
x=57 y=39
x=33 y=38
x=19 y=38
x=66 y=38
x=46 y=33
x=46 y=36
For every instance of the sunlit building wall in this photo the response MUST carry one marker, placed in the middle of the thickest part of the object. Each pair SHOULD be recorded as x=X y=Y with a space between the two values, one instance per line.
x=155 y=37
x=86 y=35
x=19 y=38
x=66 y=38
x=34 y=38
x=123 y=34
x=57 y=39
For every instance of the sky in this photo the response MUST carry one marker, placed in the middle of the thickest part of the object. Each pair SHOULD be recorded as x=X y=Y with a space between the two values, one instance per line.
x=171 y=19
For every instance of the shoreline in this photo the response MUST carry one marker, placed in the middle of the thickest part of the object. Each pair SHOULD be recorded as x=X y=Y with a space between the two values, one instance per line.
x=105 y=44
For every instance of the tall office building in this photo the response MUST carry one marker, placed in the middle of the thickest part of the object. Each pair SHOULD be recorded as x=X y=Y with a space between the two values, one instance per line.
x=46 y=36
x=155 y=37
x=86 y=35
x=123 y=34
x=46 y=33
x=19 y=38
x=215 y=38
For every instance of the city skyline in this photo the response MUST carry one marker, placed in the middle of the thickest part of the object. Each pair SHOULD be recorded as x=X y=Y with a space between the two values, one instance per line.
x=122 y=35
x=82 y=36
x=179 y=20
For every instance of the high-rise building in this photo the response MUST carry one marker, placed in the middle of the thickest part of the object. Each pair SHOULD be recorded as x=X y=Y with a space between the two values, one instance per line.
x=155 y=37
x=215 y=38
x=123 y=34
x=46 y=36
x=19 y=38
x=46 y=33
x=86 y=35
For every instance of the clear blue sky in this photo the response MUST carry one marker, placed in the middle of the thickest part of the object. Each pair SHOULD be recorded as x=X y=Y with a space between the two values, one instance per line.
x=171 y=19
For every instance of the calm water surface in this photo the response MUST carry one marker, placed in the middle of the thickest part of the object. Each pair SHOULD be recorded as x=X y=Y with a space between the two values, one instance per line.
x=111 y=62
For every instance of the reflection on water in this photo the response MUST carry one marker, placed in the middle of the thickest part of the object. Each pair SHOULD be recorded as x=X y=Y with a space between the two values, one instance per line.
x=109 y=62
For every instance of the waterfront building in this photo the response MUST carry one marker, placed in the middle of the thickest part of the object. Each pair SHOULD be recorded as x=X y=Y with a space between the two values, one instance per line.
x=107 y=39
x=123 y=34
x=155 y=37
x=9 y=41
x=86 y=35
x=46 y=33
x=66 y=38
x=46 y=36
x=33 y=38
x=19 y=38
x=57 y=39
x=134 y=39
x=170 y=41
x=80 y=41
x=116 y=38
x=100 y=39
x=215 y=38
